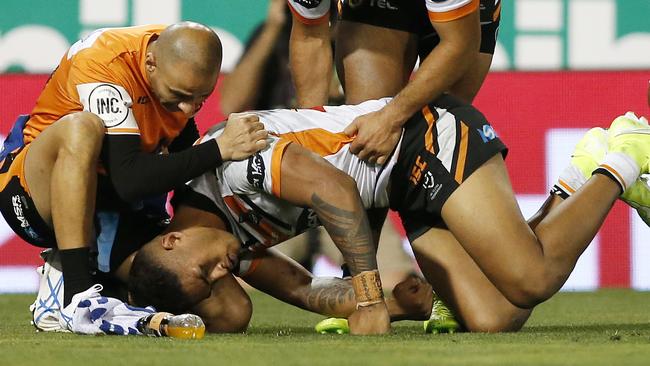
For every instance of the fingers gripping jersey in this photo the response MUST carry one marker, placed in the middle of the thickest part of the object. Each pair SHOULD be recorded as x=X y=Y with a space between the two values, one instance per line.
x=105 y=74
x=249 y=191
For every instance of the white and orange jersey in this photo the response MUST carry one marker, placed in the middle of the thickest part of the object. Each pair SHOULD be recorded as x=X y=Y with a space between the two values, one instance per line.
x=104 y=73
x=249 y=191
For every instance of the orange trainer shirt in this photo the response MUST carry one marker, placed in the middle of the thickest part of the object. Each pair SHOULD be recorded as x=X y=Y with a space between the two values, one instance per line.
x=105 y=74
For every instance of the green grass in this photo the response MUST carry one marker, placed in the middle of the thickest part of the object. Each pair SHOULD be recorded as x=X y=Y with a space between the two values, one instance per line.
x=604 y=328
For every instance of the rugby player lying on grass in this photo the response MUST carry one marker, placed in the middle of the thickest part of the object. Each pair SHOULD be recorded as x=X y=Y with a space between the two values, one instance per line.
x=448 y=181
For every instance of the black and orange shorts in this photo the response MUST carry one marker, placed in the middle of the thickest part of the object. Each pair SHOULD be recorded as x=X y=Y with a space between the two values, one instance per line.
x=16 y=203
x=442 y=146
x=412 y=16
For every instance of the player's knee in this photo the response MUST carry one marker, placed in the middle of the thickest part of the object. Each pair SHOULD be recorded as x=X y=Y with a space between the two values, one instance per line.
x=497 y=322
x=530 y=290
x=83 y=132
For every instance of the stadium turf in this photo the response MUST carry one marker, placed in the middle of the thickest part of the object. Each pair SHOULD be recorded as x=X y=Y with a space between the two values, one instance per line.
x=609 y=327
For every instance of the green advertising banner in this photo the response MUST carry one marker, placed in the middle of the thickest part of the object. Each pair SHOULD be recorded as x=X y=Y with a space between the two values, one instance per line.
x=534 y=34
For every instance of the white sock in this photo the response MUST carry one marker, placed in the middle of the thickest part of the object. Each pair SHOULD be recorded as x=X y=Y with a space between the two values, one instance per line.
x=622 y=168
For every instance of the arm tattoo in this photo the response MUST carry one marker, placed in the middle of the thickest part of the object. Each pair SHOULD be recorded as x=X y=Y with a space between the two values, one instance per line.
x=334 y=297
x=350 y=232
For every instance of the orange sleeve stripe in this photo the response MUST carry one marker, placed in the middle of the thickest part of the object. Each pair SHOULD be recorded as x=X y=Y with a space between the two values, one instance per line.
x=428 y=136
x=319 y=141
x=566 y=186
x=462 y=153
x=316 y=140
x=253 y=267
x=309 y=21
x=448 y=16
x=276 y=166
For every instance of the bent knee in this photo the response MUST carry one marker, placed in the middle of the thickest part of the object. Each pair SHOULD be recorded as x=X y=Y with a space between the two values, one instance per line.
x=530 y=292
x=82 y=130
x=496 y=323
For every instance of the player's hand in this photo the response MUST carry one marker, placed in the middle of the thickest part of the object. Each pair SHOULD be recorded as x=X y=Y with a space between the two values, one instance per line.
x=367 y=320
x=243 y=136
x=414 y=296
x=376 y=136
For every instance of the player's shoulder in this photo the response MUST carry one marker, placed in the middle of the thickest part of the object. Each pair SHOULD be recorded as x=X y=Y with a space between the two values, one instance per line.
x=105 y=45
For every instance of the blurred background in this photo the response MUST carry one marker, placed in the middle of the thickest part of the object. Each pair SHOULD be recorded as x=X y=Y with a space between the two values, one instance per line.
x=560 y=67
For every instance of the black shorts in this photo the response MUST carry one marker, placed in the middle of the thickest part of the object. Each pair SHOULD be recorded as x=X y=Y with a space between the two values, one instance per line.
x=17 y=206
x=437 y=154
x=412 y=16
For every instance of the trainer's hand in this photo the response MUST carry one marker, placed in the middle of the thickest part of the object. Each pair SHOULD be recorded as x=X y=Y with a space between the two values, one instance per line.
x=373 y=319
x=376 y=136
x=243 y=136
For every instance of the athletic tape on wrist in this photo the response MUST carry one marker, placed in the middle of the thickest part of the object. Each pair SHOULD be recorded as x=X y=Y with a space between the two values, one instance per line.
x=367 y=288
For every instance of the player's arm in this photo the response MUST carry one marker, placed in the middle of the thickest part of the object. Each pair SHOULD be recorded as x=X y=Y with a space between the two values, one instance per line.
x=240 y=89
x=310 y=58
x=459 y=45
x=228 y=309
x=286 y=280
x=136 y=174
x=310 y=181
x=378 y=132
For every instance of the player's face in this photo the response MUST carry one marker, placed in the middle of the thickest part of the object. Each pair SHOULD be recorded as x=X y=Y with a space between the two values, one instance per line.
x=179 y=89
x=204 y=256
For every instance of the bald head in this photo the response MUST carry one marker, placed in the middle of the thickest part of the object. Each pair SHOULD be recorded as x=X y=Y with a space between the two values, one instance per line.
x=192 y=45
x=183 y=65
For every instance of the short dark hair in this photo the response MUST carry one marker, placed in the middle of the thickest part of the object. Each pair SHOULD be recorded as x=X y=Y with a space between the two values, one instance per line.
x=153 y=284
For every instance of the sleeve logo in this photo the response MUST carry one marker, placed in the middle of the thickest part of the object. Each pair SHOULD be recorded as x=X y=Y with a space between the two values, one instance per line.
x=256 y=170
x=109 y=104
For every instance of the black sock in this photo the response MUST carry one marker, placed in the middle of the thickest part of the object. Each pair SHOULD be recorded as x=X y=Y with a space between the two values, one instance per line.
x=76 y=272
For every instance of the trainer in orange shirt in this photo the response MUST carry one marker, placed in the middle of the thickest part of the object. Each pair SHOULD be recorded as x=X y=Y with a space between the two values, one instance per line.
x=118 y=104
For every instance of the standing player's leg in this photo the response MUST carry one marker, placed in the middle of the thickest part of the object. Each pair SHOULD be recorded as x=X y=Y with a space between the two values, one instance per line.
x=61 y=173
x=366 y=67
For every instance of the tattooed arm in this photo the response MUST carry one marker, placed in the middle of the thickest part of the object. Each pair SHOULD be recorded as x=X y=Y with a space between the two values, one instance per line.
x=308 y=180
x=286 y=280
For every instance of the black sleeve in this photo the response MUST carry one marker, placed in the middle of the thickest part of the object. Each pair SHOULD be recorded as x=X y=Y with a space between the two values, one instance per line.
x=136 y=174
x=186 y=138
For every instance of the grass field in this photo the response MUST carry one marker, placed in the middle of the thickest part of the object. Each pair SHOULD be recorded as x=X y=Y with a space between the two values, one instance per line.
x=609 y=327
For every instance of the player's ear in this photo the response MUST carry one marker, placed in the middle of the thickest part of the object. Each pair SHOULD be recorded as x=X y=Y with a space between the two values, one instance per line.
x=150 y=61
x=170 y=240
